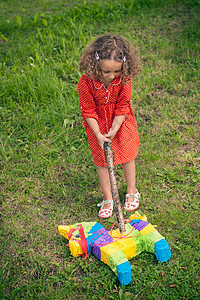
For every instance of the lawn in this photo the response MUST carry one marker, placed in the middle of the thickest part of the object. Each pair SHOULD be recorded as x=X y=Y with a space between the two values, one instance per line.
x=47 y=173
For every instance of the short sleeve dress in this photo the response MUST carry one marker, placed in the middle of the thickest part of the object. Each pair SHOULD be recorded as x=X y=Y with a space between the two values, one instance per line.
x=103 y=104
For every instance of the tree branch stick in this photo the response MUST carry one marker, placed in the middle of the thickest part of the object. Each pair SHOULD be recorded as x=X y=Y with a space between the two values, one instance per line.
x=109 y=157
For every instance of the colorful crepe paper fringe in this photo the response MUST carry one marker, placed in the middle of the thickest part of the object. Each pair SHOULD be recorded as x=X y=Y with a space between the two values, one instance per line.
x=113 y=248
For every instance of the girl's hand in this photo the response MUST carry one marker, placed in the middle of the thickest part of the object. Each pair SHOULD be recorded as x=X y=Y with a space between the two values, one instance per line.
x=101 y=139
x=110 y=135
x=117 y=122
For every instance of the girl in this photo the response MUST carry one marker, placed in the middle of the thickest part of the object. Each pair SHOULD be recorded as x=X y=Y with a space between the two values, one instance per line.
x=105 y=102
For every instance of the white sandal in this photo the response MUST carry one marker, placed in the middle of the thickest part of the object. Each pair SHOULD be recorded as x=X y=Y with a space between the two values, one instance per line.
x=130 y=206
x=105 y=213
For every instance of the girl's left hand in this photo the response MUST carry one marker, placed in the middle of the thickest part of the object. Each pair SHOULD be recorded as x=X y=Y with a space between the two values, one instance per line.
x=117 y=122
x=110 y=135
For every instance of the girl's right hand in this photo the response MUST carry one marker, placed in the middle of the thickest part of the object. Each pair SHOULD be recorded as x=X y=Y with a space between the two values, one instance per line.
x=101 y=139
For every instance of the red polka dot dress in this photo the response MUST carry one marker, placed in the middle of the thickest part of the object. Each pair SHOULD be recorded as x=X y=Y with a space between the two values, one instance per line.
x=103 y=104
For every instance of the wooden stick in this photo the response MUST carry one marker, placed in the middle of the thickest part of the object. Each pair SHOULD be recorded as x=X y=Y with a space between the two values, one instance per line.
x=109 y=157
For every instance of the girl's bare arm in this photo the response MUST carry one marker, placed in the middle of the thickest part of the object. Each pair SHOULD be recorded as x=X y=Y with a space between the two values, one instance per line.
x=117 y=122
x=95 y=128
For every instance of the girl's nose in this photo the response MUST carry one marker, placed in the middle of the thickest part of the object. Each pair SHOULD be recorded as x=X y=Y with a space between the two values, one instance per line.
x=112 y=76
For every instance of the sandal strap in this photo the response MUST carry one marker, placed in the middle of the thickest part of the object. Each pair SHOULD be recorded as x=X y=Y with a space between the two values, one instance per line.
x=105 y=202
x=136 y=196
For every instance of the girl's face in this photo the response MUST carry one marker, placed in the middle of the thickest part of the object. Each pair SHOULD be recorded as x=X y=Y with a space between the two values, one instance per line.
x=110 y=69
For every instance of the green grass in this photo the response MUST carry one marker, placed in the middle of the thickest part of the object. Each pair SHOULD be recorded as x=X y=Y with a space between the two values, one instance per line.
x=47 y=173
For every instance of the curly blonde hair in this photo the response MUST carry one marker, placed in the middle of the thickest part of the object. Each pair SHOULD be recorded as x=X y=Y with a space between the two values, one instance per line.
x=110 y=47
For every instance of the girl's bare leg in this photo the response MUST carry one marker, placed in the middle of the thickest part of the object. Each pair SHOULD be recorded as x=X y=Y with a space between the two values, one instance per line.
x=129 y=174
x=104 y=179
